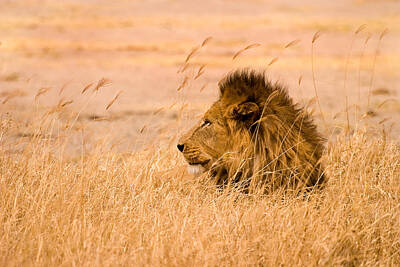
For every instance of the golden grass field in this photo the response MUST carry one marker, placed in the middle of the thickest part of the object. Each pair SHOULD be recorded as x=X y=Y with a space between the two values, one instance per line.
x=93 y=97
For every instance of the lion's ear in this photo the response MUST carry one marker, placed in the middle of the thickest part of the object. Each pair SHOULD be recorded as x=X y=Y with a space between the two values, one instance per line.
x=247 y=112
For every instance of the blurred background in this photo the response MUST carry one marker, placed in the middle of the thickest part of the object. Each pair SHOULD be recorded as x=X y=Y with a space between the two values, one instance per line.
x=138 y=71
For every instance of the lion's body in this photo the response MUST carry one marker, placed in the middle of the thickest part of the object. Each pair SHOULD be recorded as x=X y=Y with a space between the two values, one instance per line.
x=255 y=135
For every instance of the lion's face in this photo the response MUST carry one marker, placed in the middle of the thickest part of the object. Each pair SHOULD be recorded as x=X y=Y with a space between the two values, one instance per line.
x=216 y=134
x=207 y=141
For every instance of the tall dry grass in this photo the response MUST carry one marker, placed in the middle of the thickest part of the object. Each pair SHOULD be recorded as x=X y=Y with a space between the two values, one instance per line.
x=107 y=208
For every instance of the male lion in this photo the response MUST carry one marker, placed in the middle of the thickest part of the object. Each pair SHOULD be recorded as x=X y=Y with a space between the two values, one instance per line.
x=254 y=135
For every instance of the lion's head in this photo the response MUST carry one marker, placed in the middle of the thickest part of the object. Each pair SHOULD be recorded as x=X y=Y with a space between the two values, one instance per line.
x=254 y=134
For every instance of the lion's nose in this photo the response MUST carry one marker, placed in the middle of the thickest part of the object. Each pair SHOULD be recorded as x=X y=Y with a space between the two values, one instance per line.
x=181 y=147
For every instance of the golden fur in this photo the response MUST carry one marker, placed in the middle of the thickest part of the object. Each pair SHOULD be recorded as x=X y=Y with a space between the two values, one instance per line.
x=254 y=135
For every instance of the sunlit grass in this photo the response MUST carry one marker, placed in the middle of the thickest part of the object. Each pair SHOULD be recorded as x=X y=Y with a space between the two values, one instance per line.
x=142 y=208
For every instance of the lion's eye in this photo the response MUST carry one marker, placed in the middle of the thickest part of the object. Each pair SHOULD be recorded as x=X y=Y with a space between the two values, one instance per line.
x=206 y=123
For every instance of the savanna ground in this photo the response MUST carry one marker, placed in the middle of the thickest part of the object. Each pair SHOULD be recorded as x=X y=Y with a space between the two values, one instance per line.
x=89 y=170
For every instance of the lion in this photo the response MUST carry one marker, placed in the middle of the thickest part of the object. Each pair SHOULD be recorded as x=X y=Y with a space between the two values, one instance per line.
x=254 y=135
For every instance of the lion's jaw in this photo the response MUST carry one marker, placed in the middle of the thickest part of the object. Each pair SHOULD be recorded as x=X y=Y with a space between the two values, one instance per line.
x=196 y=169
x=198 y=161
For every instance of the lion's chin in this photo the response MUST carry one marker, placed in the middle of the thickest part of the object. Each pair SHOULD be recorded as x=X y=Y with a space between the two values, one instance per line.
x=196 y=169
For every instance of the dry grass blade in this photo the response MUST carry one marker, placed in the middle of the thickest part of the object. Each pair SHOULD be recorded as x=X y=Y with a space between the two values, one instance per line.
x=86 y=88
x=381 y=91
x=102 y=83
x=336 y=115
x=66 y=103
x=184 y=83
x=386 y=101
x=384 y=32
x=158 y=111
x=369 y=114
x=6 y=99
x=311 y=102
x=204 y=86
x=275 y=59
x=300 y=79
x=192 y=53
x=206 y=41
x=367 y=39
x=60 y=105
x=316 y=36
x=183 y=68
x=292 y=43
x=183 y=107
x=200 y=71
x=113 y=100
x=102 y=119
x=63 y=88
x=251 y=46
x=346 y=112
x=361 y=28
x=244 y=49
x=371 y=82
x=41 y=91
x=384 y=120
x=11 y=95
